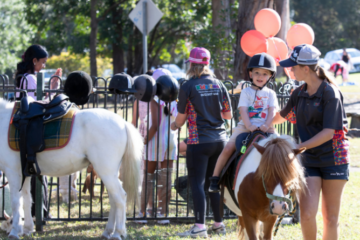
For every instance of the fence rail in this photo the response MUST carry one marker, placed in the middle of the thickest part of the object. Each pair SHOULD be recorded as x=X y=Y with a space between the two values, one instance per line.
x=96 y=208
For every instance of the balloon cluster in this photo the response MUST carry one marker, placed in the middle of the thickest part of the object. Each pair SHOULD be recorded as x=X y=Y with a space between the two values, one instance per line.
x=267 y=24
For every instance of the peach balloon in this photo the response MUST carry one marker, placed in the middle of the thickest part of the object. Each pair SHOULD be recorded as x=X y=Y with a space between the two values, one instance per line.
x=277 y=49
x=268 y=22
x=253 y=42
x=300 y=33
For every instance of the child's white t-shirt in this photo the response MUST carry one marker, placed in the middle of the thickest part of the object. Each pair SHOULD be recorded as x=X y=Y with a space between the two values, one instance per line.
x=258 y=105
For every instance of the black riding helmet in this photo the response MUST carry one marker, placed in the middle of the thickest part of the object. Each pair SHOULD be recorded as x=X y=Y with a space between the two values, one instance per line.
x=264 y=61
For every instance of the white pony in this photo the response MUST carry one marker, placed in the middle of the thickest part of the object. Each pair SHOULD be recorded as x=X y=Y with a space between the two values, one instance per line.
x=99 y=137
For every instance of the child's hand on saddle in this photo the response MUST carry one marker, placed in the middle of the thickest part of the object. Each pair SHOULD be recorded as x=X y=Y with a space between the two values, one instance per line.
x=264 y=128
x=252 y=128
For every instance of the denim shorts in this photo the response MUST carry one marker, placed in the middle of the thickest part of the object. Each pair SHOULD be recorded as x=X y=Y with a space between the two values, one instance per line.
x=340 y=172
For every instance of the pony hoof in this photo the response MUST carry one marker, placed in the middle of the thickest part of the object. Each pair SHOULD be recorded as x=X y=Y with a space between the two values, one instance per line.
x=29 y=233
x=13 y=237
x=116 y=238
x=103 y=237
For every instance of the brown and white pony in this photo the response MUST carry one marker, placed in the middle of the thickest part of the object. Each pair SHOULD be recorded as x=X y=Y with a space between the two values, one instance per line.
x=272 y=165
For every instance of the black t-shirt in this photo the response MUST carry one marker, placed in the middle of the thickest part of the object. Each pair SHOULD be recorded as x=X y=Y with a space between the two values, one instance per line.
x=203 y=99
x=312 y=114
x=345 y=58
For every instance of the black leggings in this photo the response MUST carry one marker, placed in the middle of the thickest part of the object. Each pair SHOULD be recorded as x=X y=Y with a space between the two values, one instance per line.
x=201 y=160
x=337 y=68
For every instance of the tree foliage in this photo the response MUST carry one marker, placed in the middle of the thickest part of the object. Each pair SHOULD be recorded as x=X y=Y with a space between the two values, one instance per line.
x=335 y=22
x=15 y=34
x=66 y=24
x=77 y=62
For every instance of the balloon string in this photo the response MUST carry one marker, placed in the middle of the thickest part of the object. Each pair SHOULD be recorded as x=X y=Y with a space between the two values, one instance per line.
x=285 y=69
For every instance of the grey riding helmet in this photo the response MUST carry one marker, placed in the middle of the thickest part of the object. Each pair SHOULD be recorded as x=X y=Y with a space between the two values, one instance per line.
x=145 y=87
x=122 y=83
x=264 y=61
x=167 y=88
x=78 y=87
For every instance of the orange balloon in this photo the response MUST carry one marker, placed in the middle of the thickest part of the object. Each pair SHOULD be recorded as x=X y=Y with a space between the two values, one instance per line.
x=268 y=22
x=253 y=42
x=300 y=33
x=277 y=49
x=289 y=73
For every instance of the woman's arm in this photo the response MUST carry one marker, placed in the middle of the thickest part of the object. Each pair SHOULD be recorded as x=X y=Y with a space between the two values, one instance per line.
x=154 y=108
x=134 y=114
x=325 y=135
x=179 y=121
x=278 y=119
x=227 y=115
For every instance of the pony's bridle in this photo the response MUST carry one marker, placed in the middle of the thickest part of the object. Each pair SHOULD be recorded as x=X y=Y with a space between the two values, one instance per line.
x=277 y=198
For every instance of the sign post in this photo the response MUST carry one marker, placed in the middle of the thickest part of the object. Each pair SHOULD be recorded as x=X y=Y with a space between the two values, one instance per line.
x=145 y=16
x=145 y=52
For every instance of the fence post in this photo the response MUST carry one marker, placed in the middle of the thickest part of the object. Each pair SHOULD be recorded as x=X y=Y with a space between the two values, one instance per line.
x=38 y=193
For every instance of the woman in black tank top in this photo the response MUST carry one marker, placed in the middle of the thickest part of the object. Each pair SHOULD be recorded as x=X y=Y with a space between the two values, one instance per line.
x=345 y=56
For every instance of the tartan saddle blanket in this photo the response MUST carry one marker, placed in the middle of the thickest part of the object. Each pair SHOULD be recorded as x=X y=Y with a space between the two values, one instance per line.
x=57 y=132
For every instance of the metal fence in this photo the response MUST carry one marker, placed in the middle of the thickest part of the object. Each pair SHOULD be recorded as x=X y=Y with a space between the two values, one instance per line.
x=96 y=208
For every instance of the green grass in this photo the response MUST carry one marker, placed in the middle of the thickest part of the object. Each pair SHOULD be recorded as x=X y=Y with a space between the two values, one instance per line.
x=349 y=222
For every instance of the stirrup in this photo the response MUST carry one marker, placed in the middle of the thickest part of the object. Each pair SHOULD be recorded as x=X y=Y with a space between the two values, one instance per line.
x=31 y=169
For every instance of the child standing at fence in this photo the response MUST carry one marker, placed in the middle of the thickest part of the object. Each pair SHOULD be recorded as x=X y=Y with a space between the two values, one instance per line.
x=257 y=108
x=165 y=152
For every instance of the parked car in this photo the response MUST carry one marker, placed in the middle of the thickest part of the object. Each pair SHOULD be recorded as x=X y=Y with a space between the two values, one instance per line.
x=47 y=74
x=335 y=55
x=325 y=65
x=176 y=72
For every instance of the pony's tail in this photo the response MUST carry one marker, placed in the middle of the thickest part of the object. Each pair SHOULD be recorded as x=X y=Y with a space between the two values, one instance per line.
x=130 y=167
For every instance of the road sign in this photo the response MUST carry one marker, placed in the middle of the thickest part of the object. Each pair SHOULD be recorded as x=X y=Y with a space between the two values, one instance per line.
x=153 y=16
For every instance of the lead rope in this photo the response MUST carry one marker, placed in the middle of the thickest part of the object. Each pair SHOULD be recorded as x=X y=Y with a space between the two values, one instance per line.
x=282 y=216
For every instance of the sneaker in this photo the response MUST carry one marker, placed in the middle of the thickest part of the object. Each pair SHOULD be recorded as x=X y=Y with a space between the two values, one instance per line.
x=214 y=184
x=140 y=215
x=194 y=232
x=162 y=222
x=219 y=230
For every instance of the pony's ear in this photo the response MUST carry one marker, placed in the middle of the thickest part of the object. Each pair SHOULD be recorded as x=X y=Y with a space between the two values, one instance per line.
x=7 y=217
x=298 y=151
x=261 y=149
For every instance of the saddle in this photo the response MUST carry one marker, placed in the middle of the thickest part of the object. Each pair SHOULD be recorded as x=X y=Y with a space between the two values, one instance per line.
x=29 y=120
x=228 y=175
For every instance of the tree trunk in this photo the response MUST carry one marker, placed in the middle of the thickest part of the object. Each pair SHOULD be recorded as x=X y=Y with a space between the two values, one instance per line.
x=221 y=25
x=130 y=52
x=283 y=8
x=118 y=52
x=93 y=38
x=138 y=52
x=246 y=14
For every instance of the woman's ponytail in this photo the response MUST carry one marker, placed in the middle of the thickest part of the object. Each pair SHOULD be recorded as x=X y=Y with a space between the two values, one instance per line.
x=322 y=73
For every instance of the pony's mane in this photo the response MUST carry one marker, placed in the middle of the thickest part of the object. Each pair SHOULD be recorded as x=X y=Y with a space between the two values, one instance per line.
x=279 y=162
